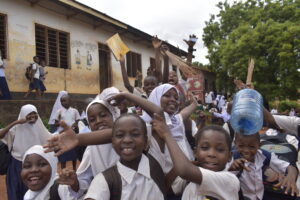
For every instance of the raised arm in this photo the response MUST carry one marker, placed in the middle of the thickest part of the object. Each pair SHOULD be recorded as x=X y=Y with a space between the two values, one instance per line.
x=68 y=140
x=156 y=44
x=183 y=166
x=146 y=105
x=5 y=130
x=126 y=82
x=187 y=111
x=163 y=50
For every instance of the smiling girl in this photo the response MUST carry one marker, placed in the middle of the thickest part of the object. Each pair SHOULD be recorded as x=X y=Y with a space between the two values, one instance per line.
x=19 y=136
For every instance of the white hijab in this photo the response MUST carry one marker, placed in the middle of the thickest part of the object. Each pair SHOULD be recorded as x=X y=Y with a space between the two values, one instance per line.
x=57 y=105
x=155 y=98
x=24 y=136
x=101 y=157
x=52 y=160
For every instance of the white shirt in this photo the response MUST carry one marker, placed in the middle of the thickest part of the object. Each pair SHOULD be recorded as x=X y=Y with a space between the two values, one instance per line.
x=135 y=184
x=251 y=182
x=69 y=115
x=138 y=92
x=288 y=123
x=36 y=67
x=224 y=115
x=222 y=185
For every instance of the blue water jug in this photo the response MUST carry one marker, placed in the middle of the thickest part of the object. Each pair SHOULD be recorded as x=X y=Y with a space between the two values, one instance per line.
x=247 y=112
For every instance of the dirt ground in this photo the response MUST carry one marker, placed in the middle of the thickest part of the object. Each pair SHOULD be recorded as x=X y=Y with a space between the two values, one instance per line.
x=3 y=195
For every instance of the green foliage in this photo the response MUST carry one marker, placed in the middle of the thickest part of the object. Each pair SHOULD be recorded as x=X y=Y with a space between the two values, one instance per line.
x=45 y=122
x=266 y=30
x=287 y=105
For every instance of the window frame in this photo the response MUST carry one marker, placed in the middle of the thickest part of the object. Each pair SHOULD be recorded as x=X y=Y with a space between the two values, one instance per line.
x=58 y=45
x=133 y=67
x=4 y=51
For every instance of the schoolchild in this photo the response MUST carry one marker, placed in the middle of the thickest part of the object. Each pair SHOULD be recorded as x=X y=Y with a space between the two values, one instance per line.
x=249 y=165
x=4 y=90
x=210 y=178
x=39 y=175
x=35 y=78
x=135 y=178
x=42 y=76
x=19 y=136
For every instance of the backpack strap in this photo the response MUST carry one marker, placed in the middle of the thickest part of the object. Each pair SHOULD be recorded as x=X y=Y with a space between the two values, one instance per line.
x=157 y=174
x=268 y=156
x=54 y=191
x=114 y=182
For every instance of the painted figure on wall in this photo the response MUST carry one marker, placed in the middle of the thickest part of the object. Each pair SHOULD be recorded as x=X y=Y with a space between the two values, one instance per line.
x=89 y=60
x=78 y=59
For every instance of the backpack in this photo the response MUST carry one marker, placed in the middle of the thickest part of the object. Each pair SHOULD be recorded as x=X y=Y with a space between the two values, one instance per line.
x=54 y=192
x=114 y=182
x=5 y=157
x=28 y=72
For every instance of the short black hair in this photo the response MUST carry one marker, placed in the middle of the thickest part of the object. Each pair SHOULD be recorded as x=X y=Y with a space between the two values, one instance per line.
x=219 y=129
x=151 y=76
x=142 y=122
x=256 y=135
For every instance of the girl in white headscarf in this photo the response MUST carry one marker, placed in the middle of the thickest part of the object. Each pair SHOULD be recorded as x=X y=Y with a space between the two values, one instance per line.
x=19 y=136
x=39 y=175
x=166 y=97
x=57 y=105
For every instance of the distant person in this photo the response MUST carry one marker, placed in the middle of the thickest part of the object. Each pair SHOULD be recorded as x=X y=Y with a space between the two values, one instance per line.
x=34 y=78
x=42 y=76
x=70 y=116
x=4 y=90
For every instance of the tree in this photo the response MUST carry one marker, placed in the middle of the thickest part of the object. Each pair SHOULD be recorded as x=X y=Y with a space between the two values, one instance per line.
x=266 y=30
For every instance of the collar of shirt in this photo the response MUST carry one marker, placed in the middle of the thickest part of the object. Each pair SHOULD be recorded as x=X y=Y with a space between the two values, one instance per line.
x=128 y=174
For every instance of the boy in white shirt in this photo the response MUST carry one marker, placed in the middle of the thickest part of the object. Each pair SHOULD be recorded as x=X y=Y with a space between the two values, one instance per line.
x=249 y=163
x=35 y=77
x=70 y=116
x=136 y=175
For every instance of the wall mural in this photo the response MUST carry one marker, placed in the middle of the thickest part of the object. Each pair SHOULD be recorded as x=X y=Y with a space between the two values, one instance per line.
x=80 y=47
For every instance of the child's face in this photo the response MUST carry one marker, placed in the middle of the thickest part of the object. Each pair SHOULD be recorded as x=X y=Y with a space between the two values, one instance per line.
x=173 y=78
x=36 y=172
x=169 y=101
x=247 y=146
x=65 y=101
x=99 y=117
x=129 y=140
x=212 y=151
x=149 y=84
x=32 y=117
x=36 y=59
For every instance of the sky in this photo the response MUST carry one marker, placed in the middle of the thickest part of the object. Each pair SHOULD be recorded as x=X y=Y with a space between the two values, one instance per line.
x=171 y=20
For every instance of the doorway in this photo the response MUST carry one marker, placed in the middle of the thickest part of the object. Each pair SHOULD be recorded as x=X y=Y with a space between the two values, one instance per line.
x=104 y=66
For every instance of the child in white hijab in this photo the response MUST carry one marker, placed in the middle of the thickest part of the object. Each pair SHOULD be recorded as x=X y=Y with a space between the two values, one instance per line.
x=19 y=136
x=39 y=175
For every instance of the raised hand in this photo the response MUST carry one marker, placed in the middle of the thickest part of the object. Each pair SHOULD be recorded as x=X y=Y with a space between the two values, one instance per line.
x=156 y=42
x=117 y=99
x=159 y=125
x=68 y=177
x=63 y=142
x=238 y=165
x=22 y=121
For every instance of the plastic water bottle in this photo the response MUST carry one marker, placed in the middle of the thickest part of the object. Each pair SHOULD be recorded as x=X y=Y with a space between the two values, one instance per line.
x=247 y=112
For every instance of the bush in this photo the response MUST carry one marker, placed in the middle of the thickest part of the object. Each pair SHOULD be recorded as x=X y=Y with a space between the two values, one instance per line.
x=284 y=105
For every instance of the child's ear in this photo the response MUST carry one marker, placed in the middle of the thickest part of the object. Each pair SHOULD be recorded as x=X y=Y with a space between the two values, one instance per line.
x=147 y=146
x=230 y=157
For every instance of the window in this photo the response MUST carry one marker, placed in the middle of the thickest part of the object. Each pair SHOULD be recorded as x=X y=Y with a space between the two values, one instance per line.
x=134 y=63
x=104 y=66
x=3 y=36
x=52 y=46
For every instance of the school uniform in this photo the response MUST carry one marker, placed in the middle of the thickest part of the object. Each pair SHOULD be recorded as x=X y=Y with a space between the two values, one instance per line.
x=57 y=105
x=135 y=184
x=3 y=84
x=138 y=92
x=35 y=84
x=221 y=185
x=42 y=78
x=252 y=181
x=70 y=116
x=19 y=139
x=288 y=123
x=177 y=129
x=44 y=193
x=97 y=158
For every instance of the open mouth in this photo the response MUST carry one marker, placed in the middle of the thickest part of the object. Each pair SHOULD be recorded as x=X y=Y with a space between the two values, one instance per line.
x=34 y=180
x=127 y=151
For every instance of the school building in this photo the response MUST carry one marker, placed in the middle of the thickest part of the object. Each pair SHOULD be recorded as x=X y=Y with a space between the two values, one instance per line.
x=71 y=38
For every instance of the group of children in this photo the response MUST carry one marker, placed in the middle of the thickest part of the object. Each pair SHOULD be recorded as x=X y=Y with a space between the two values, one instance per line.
x=130 y=156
